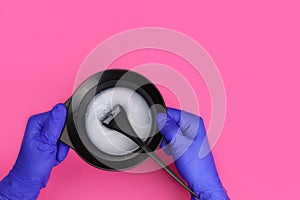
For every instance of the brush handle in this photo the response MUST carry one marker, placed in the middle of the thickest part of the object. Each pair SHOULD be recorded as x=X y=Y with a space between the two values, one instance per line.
x=167 y=169
x=134 y=137
x=154 y=157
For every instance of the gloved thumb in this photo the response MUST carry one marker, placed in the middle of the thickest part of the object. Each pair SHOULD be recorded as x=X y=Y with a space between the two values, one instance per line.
x=173 y=135
x=168 y=127
x=54 y=125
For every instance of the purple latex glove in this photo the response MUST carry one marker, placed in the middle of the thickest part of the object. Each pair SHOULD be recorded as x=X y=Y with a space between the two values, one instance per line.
x=184 y=134
x=40 y=152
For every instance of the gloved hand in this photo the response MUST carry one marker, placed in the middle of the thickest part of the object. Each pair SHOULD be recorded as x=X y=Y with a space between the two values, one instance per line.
x=40 y=152
x=184 y=134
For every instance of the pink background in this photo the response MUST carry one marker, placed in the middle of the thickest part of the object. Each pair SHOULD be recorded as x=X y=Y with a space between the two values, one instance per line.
x=255 y=45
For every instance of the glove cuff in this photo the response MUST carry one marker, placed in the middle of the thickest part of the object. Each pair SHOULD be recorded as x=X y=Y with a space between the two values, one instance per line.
x=13 y=188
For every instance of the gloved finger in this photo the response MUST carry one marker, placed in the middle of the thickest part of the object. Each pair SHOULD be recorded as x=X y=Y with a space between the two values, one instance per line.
x=184 y=120
x=62 y=152
x=179 y=143
x=54 y=125
x=165 y=146
x=167 y=126
x=36 y=122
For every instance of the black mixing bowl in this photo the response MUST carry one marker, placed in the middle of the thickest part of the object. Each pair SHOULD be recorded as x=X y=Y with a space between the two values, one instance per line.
x=75 y=135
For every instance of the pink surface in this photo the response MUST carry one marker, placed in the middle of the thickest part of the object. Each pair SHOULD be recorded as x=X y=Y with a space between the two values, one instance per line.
x=254 y=44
